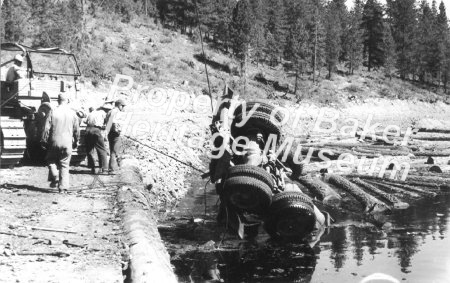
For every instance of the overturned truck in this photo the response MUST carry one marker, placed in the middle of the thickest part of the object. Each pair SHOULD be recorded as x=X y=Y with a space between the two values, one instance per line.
x=254 y=186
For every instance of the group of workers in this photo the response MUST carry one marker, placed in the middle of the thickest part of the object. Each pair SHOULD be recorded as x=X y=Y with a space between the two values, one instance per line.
x=63 y=133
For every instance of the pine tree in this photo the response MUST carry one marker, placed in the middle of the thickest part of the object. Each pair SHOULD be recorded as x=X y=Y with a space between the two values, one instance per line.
x=258 y=40
x=333 y=38
x=389 y=51
x=15 y=16
x=342 y=15
x=276 y=30
x=317 y=39
x=353 y=44
x=242 y=28
x=372 y=22
x=298 y=51
x=402 y=19
x=425 y=44
x=443 y=46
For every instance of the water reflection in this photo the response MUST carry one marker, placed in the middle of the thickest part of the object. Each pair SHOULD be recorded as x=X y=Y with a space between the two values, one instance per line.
x=414 y=249
x=248 y=263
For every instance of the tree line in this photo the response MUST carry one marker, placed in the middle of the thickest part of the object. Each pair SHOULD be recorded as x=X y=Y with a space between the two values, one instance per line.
x=405 y=38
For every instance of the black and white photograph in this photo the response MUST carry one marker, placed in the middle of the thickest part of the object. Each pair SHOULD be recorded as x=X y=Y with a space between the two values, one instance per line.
x=160 y=141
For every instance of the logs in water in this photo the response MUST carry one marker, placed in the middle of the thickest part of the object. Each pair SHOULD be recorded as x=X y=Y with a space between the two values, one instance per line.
x=394 y=189
x=396 y=203
x=371 y=203
x=415 y=182
x=320 y=189
x=412 y=189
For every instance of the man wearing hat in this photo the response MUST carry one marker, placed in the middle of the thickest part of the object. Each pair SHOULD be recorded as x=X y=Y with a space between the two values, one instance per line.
x=16 y=71
x=64 y=134
x=113 y=130
x=95 y=139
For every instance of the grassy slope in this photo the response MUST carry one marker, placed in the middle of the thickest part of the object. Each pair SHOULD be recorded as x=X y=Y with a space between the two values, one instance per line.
x=157 y=57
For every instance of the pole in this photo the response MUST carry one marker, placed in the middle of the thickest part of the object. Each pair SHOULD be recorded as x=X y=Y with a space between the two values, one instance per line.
x=204 y=56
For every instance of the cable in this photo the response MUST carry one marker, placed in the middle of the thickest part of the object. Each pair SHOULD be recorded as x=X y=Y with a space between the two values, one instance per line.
x=165 y=154
x=203 y=53
x=205 y=196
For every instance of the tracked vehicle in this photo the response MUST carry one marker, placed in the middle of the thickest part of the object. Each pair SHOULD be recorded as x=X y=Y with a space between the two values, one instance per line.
x=26 y=103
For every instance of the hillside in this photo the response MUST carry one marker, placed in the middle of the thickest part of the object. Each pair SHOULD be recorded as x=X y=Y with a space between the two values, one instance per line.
x=157 y=57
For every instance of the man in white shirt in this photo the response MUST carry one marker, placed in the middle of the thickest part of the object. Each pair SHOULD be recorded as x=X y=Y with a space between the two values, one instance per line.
x=64 y=134
x=113 y=131
x=95 y=141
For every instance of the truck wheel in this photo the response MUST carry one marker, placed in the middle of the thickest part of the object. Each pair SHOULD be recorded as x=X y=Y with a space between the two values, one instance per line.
x=262 y=108
x=291 y=216
x=251 y=171
x=248 y=193
x=257 y=120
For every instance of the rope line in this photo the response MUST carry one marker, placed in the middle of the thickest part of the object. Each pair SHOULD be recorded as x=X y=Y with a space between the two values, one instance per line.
x=165 y=154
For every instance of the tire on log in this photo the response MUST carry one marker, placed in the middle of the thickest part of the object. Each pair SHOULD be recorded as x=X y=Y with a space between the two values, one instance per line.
x=291 y=216
x=371 y=204
x=321 y=190
x=396 y=203
x=248 y=193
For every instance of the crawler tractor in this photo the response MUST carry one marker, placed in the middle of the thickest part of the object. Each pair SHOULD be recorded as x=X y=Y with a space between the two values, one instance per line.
x=252 y=181
x=26 y=103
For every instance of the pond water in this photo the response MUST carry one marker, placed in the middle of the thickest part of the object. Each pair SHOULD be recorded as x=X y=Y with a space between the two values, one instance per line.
x=415 y=249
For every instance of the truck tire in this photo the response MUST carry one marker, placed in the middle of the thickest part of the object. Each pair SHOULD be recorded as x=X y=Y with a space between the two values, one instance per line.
x=248 y=193
x=262 y=108
x=251 y=171
x=291 y=216
x=257 y=120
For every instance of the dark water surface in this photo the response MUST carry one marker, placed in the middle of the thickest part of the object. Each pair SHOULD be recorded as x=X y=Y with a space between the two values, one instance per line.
x=416 y=249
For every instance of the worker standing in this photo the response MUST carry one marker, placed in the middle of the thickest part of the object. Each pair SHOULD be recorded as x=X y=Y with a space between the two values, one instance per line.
x=94 y=139
x=63 y=134
x=16 y=71
x=113 y=130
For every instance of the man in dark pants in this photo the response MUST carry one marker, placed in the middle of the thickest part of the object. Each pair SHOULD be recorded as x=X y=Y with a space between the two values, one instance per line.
x=113 y=130
x=94 y=139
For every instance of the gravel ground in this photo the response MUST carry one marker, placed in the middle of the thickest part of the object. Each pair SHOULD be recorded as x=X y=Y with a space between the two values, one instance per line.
x=91 y=254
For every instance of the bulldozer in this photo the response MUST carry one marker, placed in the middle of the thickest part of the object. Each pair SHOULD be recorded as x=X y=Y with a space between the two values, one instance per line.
x=253 y=185
x=27 y=102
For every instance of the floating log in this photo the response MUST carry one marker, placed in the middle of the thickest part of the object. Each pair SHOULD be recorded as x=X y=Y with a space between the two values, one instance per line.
x=420 y=183
x=375 y=151
x=437 y=178
x=377 y=138
x=428 y=136
x=371 y=203
x=413 y=189
x=321 y=189
x=396 y=203
x=433 y=125
x=395 y=189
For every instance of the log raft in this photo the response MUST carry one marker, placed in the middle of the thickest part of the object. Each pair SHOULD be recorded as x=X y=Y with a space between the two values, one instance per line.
x=396 y=203
x=370 y=203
